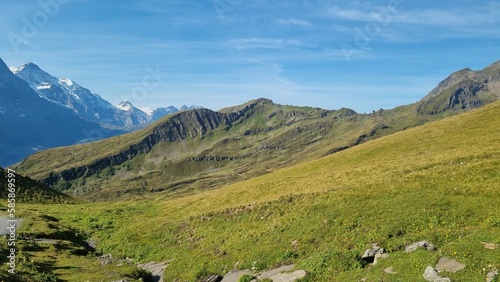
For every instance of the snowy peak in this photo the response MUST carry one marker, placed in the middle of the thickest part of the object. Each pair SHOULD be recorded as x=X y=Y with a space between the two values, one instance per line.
x=87 y=105
x=28 y=67
x=125 y=105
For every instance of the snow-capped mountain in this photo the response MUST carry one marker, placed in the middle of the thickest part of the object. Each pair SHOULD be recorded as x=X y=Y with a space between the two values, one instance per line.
x=30 y=123
x=132 y=115
x=87 y=105
x=161 y=112
x=69 y=94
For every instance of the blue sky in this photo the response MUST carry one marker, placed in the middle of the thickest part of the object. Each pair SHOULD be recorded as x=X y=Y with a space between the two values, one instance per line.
x=364 y=55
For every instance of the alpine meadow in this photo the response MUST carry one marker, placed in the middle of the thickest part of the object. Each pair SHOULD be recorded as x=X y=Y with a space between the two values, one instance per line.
x=249 y=141
x=262 y=185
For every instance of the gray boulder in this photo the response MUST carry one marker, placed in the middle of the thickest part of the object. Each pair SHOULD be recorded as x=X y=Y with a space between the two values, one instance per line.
x=288 y=277
x=449 y=265
x=372 y=254
x=273 y=272
x=422 y=244
x=432 y=275
x=235 y=275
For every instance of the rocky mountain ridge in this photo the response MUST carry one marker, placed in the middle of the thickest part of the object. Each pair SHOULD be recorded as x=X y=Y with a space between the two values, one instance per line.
x=463 y=89
x=203 y=149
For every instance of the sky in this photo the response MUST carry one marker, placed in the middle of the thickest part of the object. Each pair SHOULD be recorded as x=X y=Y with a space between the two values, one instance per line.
x=364 y=55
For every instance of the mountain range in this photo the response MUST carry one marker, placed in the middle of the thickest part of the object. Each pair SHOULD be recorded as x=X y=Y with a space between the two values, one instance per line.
x=252 y=187
x=203 y=149
x=92 y=117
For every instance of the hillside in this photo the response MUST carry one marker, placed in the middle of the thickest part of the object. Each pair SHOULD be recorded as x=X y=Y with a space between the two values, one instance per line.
x=30 y=191
x=437 y=182
x=196 y=150
x=200 y=149
x=463 y=89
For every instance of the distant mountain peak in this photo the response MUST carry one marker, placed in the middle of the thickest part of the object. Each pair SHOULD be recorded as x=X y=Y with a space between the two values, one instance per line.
x=28 y=66
x=125 y=105
x=193 y=107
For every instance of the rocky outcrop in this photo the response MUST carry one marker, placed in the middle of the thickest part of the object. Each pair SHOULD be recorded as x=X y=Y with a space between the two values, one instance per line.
x=464 y=89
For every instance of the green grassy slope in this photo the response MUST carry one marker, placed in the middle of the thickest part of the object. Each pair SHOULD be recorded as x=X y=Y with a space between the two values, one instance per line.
x=264 y=136
x=197 y=150
x=47 y=249
x=29 y=191
x=438 y=182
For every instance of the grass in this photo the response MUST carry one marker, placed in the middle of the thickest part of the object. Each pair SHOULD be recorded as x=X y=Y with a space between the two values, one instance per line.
x=438 y=182
x=268 y=137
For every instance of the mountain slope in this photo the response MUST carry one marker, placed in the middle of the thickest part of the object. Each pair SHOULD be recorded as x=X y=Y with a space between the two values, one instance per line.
x=202 y=149
x=30 y=191
x=462 y=90
x=437 y=182
x=30 y=123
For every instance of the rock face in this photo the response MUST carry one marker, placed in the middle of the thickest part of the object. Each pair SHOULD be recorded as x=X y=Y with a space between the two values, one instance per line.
x=464 y=89
x=179 y=127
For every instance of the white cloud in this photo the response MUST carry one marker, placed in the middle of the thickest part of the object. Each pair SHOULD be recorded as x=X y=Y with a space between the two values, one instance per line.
x=264 y=43
x=293 y=22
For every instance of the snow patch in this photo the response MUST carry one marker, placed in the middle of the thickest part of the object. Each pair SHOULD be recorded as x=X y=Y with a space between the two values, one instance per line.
x=13 y=69
x=66 y=81
x=147 y=110
x=44 y=85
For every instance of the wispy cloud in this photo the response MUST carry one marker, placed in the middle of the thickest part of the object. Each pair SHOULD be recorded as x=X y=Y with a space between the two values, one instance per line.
x=451 y=18
x=293 y=22
x=264 y=43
